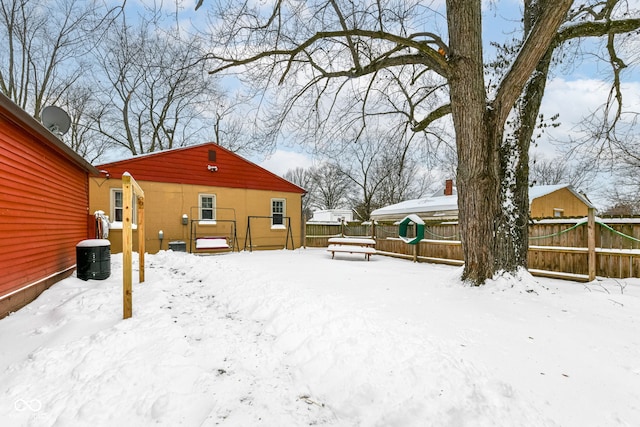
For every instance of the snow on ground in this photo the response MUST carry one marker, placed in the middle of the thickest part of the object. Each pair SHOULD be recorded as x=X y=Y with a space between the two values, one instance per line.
x=294 y=338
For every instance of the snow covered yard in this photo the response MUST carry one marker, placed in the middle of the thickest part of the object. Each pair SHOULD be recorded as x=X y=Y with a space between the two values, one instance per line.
x=293 y=338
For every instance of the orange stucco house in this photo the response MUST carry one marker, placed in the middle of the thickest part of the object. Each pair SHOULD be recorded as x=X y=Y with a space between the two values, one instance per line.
x=202 y=198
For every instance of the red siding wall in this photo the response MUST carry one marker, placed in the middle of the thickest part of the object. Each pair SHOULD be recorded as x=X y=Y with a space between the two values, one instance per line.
x=189 y=166
x=43 y=208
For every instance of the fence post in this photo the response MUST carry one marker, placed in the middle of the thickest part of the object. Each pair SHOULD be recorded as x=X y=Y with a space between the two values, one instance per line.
x=591 y=244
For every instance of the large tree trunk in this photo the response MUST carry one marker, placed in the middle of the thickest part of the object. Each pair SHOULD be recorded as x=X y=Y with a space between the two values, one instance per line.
x=513 y=223
x=512 y=228
x=477 y=174
x=512 y=237
x=493 y=201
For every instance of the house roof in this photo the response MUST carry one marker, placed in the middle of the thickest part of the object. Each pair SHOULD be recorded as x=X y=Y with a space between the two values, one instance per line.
x=446 y=207
x=22 y=119
x=430 y=206
x=538 y=191
x=205 y=164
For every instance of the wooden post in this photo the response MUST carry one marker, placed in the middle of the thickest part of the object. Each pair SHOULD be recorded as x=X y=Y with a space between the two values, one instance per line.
x=415 y=252
x=141 y=235
x=591 y=244
x=130 y=188
x=127 y=243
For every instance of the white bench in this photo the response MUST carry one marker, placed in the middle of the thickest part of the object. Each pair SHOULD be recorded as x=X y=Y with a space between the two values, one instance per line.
x=212 y=243
x=352 y=245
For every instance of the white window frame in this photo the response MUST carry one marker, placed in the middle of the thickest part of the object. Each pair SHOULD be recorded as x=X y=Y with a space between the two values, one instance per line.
x=115 y=223
x=202 y=220
x=274 y=213
x=558 y=212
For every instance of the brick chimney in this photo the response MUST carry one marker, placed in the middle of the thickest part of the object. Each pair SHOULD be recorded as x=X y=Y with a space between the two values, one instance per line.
x=448 y=187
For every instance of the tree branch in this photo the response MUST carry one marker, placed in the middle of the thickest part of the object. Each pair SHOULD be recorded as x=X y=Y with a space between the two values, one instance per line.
x=533 y=49
x=436 y=114
x=609 y=28
x=596 y=29
x=352 y=47
x=426 y=55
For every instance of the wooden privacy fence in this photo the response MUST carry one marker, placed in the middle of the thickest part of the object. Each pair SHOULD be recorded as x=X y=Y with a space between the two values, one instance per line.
x=317 y=235
x=562 y=247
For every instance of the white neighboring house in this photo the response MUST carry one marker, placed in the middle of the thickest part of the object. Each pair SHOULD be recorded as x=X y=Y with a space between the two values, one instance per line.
x=442 y=205
x=332 y=215
x=435 y=207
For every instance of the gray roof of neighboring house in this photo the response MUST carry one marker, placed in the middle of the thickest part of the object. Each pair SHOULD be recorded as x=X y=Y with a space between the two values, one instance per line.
x=446 y=207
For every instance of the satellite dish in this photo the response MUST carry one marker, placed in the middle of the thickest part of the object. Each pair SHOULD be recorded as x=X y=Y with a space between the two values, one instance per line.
x=56 y=120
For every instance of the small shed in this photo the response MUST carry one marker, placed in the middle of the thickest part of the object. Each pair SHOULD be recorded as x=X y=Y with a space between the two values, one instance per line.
x=44 y=207
x=557 y=201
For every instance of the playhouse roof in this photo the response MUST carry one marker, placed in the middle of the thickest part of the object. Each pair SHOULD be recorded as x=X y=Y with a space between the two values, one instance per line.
x=206 y=164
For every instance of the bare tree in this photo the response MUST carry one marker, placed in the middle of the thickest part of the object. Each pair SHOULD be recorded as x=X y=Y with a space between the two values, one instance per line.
x=136 y=83
x=303 y=178
x=368 y=170
x=408 y=179
x=622 y=205
x=153 y=86
x=322 y=49
x=84 y=111
x=560 y=170
x=378 y=170
x=383 y=165
x=622 y=158
x=330 y=187
x=45 y=45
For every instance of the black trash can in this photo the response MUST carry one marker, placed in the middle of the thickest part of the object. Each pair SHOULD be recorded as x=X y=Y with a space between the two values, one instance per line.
x=93 y=259
x=178 y=246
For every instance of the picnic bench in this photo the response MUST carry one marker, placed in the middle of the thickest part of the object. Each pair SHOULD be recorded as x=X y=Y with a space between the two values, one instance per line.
x=352 y=245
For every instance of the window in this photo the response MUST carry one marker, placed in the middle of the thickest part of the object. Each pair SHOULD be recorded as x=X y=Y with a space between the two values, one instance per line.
x=207 y=207
x=277 y=213
x=558 y=213
x=117 y=207
x=116 y=204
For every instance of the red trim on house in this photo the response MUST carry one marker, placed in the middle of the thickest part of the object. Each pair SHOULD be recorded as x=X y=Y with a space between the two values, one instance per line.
x=192 y=165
